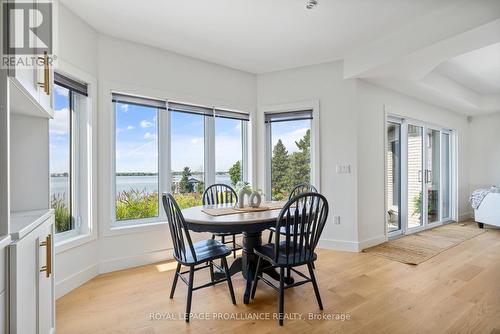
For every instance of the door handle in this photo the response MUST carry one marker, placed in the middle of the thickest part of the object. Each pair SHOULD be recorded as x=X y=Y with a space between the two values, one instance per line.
x=46 y=73
x=48 y=255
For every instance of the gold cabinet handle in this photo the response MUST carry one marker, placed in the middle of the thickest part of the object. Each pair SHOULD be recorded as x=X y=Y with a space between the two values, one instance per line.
x=46 y=73
x=48 y=255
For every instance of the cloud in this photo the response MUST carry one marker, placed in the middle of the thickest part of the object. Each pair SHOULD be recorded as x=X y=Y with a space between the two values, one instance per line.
x=130 y=127
x=124 y=107
x=149 y=136
x=290 y=137
x=60 y=123
x=196 y=140
x=146 y=124
x=61 y=91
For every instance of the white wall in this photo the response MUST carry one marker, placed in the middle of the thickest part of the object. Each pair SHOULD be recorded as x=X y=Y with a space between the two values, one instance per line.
x=338 y=118
x=129 y=67
x=371 y=101
x=351 y=132
x=136 y=69
x=77 y=52
x=484 y=151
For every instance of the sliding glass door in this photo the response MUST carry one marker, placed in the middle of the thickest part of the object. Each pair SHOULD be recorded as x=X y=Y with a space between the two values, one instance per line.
x=418 y=176
x=393 y=176
x=414 y=176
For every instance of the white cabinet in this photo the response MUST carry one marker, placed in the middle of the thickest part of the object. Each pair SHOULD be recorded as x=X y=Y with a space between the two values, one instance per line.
x=31 y=278
x=3 y=285
x=33 y=78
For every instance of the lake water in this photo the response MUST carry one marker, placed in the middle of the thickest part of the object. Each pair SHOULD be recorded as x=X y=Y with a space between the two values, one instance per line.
x=59 y=184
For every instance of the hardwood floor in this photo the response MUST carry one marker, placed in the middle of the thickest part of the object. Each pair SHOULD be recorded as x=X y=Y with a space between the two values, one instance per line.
x=458 y=291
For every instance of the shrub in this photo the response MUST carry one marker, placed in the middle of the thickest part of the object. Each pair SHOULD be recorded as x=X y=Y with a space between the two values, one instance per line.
x=136 y=204
x=61 y=211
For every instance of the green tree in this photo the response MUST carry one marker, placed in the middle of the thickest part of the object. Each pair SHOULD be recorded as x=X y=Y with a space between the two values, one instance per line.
x=184 y=185
x=200 y=187
x=300 y=166
x=280 y=171
x=235 y=173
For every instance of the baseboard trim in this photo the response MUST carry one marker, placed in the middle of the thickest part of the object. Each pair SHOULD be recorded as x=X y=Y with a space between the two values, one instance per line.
x=74 y=281
x=134 y=261
x=350 y=246
x=466 y=215
x=371 y=242
x=340 y=245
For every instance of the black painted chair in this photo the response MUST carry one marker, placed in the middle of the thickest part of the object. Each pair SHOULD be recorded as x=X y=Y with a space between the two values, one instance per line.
x=222 y=194
x=306 y=215
x=193 y=255
x=298 y=189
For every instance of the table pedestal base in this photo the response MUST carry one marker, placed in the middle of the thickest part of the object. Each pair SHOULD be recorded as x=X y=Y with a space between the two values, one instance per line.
x=248 y=263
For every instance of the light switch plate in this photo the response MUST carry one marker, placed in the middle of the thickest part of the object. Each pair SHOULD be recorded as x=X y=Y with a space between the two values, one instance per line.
x=343 y=169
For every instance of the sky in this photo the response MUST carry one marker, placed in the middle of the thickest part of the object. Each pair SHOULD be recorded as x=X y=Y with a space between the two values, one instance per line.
x=137 y=138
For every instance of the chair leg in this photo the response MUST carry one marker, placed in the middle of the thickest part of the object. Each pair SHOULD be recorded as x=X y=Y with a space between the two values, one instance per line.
x=288 y=273
x=315 y=285
x=313 y=265
x=174 y=283
x=229 y=283
x=223 y=240
x=213 y=236
x=270 y=237
x=256 y=277
x=190 y=292
x=234 y=246
x=281 y=303
x=212 y=278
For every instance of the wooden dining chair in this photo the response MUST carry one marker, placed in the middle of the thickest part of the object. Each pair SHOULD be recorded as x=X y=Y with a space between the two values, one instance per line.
x=193 y=255
x=306 y=215
x=298 y=189
x=222 y=194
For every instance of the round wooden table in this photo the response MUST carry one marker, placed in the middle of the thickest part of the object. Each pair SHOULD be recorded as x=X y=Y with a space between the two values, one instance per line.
x=251 y=224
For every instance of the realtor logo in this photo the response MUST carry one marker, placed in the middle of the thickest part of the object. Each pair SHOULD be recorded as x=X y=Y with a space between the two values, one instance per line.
x=27 y=28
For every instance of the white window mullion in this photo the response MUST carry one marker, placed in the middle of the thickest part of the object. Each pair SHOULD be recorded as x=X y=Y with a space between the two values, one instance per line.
x=209 y=153
x=164 y=165
x=244 y=152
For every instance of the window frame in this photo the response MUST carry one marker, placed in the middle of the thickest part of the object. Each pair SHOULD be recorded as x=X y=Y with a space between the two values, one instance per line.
x=83 y=161
x=315 y=140
x=165 y=157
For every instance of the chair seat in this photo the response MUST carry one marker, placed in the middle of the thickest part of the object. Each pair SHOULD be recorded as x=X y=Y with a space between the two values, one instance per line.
x=295 y=258
x=206 y=250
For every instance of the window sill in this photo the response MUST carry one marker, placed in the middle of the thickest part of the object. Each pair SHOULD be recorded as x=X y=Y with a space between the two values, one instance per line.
x=66 y=244
x=128 y=228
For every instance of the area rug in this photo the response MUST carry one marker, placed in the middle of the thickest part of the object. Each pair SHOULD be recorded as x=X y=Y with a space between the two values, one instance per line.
x=419 y=247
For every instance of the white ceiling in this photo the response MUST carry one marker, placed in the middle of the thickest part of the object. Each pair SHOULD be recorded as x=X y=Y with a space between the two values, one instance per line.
x=254 y=35
x=478 y=70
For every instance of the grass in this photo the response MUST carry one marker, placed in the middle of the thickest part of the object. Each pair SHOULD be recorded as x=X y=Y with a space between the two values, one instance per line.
x=131 y=204
x=139 y=204
x=62 y=214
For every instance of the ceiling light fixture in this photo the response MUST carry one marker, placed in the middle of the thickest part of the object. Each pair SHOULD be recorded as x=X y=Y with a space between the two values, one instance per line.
x=311 y=4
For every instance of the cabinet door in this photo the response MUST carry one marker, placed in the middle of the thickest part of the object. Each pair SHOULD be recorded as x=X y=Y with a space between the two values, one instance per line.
x=44 y=73
x=35 y=79
x=31 y=288
x=46 y=279
x=23 y=283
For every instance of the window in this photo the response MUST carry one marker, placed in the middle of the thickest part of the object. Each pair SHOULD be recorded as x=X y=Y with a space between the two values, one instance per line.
x=289 y=149
x=179 y=151
x=136 y=157
x=65 y=138
x=229 y=150
x=206 y=148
